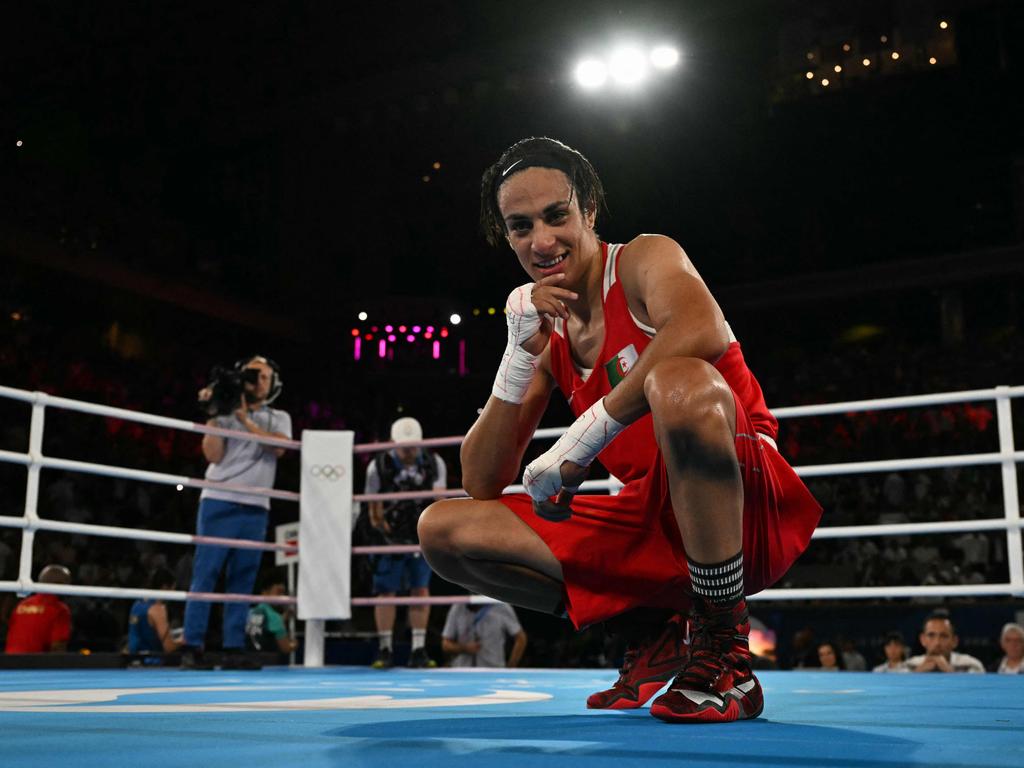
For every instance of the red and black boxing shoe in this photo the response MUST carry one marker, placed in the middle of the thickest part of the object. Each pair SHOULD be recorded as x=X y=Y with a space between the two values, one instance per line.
x=717 y=684
x=655 y=655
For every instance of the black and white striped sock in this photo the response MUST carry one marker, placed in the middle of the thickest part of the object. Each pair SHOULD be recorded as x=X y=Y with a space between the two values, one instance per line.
x=718 y=583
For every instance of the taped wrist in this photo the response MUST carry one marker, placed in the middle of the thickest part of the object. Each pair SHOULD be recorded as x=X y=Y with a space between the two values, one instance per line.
x=517 y=367
x=515 y=373
x=581 y=443
x=588 y=435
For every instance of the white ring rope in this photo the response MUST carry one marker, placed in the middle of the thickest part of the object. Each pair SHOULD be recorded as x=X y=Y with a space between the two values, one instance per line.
x=105 y=470
x=1007 y=457
x=42 y=398
x=76 y=590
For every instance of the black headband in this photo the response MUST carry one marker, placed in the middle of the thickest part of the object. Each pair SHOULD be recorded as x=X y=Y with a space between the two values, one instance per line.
x=535 y=160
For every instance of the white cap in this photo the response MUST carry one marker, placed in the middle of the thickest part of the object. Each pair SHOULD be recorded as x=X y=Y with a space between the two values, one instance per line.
x=406 y=430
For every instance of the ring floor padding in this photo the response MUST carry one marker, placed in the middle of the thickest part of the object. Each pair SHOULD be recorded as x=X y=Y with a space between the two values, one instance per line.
x=345 y=716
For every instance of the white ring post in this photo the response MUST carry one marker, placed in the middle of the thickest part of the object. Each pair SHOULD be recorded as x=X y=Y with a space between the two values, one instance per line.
x=35 y=452
x=325 y=536
x=291 y=618
x=1011 y=500
x=313 y=645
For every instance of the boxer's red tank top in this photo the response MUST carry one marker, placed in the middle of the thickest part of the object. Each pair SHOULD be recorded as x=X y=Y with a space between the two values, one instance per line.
x=631 y=454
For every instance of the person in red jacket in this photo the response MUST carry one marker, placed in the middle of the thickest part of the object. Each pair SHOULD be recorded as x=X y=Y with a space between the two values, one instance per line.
x=41 y=623
x=710 y=511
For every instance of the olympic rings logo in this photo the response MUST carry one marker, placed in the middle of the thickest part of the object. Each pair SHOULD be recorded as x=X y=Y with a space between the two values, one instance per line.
x=329 y=472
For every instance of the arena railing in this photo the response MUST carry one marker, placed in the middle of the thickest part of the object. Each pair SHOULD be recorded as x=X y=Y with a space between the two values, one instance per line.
x=30 y=522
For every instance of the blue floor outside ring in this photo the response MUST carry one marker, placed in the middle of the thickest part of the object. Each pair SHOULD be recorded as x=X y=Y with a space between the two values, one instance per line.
x=346 y=716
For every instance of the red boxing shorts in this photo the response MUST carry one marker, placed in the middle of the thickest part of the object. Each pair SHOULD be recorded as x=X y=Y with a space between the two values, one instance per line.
x=625 y=551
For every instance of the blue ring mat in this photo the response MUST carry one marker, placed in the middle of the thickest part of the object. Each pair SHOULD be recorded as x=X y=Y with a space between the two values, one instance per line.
x=361 y=717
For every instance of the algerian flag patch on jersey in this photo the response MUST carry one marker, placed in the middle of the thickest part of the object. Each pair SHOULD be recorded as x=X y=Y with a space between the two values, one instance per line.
x=620 y=365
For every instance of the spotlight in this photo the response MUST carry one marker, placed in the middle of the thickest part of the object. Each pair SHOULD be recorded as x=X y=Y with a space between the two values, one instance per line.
x=362 y=315
x=628 y=66
x=455 y=319
x=664 y=57
x=591 y=74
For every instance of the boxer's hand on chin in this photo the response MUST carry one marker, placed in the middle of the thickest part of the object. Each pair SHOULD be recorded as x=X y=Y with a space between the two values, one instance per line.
x=549 y=299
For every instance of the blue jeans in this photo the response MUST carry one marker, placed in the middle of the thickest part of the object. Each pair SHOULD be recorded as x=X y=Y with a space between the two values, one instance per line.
x=231 y=521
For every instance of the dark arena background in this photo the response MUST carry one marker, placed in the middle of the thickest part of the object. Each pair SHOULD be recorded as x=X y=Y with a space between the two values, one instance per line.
x=184 y=185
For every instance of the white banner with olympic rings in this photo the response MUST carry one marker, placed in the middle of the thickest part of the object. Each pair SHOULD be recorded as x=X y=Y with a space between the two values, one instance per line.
x=325 y=525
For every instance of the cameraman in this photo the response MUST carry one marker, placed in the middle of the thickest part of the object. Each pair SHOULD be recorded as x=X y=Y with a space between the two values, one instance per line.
x=230 y=514
x=404 y=468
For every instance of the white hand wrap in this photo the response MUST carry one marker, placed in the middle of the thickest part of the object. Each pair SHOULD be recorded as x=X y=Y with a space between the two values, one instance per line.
x=581 y=443
x=517 y=365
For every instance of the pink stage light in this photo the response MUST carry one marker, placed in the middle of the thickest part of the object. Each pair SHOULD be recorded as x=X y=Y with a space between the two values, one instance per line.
x=437 y=350
x=357 y=349
x=382 y=348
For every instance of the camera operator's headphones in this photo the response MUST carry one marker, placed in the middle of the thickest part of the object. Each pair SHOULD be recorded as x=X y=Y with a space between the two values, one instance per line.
x=276 y=385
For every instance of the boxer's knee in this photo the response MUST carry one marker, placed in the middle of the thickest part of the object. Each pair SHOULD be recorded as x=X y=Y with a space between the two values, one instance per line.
x=440 y=530
x=694 y=414
x=435 y=528
x=688 y=393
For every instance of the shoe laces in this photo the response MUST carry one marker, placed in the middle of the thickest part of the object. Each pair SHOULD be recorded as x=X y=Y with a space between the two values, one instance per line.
x=714 y=643
x=636 y=648
x=629 y=660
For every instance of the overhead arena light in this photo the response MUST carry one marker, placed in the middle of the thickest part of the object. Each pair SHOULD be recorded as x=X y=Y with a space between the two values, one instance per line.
x=591 y=74
x=664 y=57
x=627 y=67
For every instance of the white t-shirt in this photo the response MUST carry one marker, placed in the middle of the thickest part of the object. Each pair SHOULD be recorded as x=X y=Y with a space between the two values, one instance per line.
x=1005 y=669
x=961 y=662
x=246 y=462
x=488 y=625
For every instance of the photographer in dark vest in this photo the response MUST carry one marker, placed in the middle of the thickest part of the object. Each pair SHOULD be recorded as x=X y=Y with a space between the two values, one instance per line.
x=404 y=468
